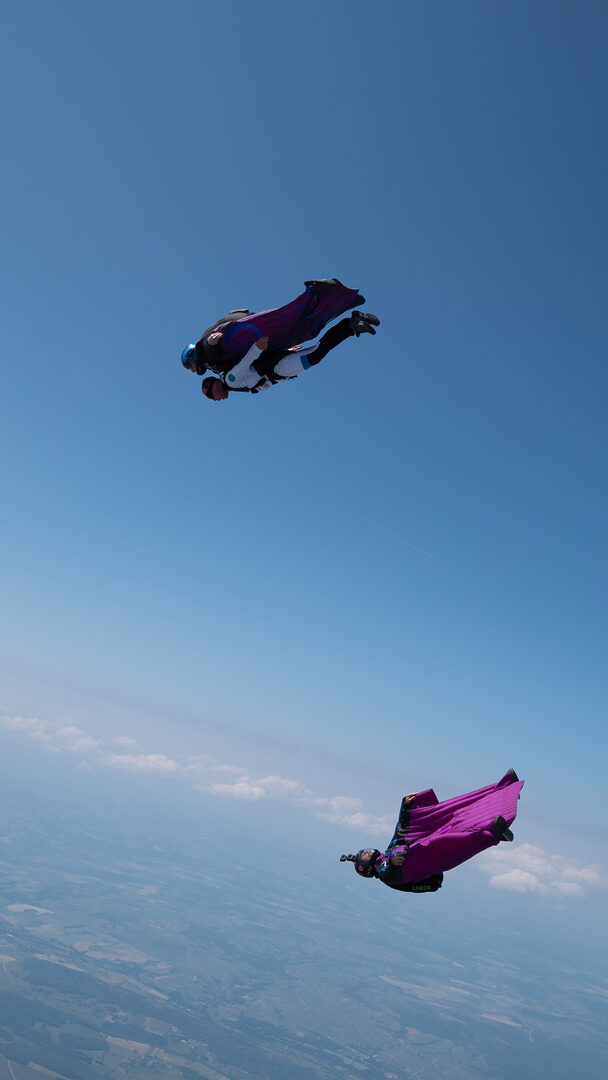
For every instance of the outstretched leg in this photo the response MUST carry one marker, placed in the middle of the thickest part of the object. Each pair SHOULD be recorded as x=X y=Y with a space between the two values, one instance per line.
x=293 y=363
x=286 y=365
x=330 y=339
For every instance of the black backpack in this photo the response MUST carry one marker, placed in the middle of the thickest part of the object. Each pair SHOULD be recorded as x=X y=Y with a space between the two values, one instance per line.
x=204 y=353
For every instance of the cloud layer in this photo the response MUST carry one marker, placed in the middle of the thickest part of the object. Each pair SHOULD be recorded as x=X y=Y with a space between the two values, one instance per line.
x=204 y=773
x=521 y=868
x=528 y=869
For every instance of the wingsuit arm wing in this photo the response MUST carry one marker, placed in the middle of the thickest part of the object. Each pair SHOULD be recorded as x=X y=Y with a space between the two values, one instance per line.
x=424 y=798
x=421 y=798
x=401 y=828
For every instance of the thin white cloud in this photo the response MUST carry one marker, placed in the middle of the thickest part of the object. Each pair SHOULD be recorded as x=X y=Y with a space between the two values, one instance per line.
x=27 y=725
x=198 y=764
x=68 y=737
x=246 y=787
x=240 y=789
x=342 y=804
x=346 y=810
x=77 y=740
x=528 y=869
x=84 y=767
x=144 y=763
x=372 y=825
x=126 y=741
x=279 y=785
x=18 y=723
x=82 y=746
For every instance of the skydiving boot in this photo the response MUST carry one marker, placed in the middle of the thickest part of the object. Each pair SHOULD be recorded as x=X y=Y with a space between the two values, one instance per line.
x=363 y=322
x=514 y=778
x=502 y=829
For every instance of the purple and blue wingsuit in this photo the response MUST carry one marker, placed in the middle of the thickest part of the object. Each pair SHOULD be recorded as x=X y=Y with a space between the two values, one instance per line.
x=301 y=320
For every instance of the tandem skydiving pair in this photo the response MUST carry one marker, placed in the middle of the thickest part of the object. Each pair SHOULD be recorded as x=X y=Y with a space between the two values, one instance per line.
x=248 y=352
x=432 y=837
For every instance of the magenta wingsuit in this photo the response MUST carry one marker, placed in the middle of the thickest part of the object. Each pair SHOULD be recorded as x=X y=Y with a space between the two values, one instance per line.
x=437 y=836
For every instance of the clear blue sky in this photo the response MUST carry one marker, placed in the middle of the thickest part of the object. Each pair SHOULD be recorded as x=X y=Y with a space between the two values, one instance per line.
x=392 y=572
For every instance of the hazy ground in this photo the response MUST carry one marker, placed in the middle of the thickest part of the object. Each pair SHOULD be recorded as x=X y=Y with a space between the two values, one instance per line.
x=131 y=945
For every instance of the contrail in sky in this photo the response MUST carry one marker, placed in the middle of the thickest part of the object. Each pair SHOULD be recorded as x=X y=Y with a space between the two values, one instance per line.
x=390 y=532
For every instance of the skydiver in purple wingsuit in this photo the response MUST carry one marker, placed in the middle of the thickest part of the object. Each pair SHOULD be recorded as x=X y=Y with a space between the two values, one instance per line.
x=432 y=837
x=252 y=352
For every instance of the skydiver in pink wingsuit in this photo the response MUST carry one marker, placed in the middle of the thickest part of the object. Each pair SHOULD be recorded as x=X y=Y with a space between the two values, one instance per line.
x=432 y=837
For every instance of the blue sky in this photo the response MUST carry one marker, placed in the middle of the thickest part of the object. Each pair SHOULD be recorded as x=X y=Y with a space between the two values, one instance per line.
x=391 y=573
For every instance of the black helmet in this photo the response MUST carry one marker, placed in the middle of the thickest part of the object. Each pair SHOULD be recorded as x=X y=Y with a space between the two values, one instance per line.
x=364 y=860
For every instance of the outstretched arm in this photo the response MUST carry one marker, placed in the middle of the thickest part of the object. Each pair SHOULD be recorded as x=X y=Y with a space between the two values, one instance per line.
x=401 y=828
x=240 y=374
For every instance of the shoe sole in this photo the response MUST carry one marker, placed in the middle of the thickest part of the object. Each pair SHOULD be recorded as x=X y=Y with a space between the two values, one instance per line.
x=503 y=830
